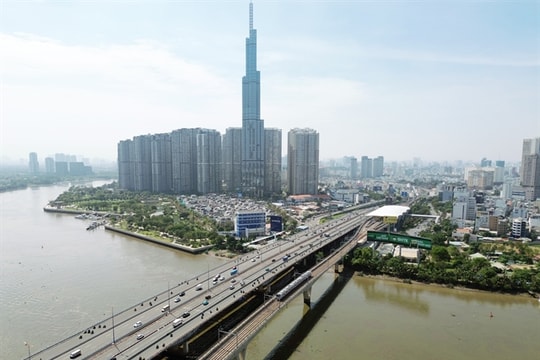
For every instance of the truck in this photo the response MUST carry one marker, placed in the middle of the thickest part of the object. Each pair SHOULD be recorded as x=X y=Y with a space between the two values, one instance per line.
x=234 y=270
x=177 y=322
x=165 y=308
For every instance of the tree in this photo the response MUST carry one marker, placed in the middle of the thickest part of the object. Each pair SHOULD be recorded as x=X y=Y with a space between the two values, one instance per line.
x=440 y=253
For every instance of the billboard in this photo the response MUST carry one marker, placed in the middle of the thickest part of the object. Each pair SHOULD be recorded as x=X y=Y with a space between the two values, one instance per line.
x=400 y=239
x=276 y=223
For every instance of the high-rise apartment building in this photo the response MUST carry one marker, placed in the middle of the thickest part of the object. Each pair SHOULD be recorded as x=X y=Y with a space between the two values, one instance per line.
x=378 y=166
x=252 y=126
x=142 y=162
x=232 y=160
x=33 y=164
x=208 y=161
x=530 y=168
x=303 y=161
x=354 y=168
x=481 y=179
x=272 y=162
x=161 y=163
x=125 y=165
x=184 y=161
x=366 y=167
x=49 y=165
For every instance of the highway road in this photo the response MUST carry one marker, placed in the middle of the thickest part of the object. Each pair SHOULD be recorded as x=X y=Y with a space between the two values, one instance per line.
x=123 y=341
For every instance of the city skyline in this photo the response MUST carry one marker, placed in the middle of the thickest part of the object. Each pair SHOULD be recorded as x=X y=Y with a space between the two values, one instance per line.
x=437 y=81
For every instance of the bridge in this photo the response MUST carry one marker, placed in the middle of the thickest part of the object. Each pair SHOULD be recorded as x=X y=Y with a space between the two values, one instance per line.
x=233 y=345
x=219 y=305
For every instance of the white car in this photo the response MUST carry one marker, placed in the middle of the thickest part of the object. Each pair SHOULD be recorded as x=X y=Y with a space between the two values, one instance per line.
x=137 y=324
x=140 y=336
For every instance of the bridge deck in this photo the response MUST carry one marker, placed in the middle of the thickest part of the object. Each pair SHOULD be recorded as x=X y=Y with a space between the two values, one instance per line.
x=236 y=340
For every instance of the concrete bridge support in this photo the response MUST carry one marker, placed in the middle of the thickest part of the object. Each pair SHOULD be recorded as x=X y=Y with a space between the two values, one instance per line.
x=185 y=347
x=241 y=354
x=307 y=296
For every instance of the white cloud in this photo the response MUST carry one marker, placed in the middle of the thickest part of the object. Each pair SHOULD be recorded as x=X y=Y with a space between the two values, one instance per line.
x=102 y=93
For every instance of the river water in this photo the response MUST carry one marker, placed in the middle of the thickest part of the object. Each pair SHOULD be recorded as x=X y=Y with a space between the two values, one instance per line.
x=56 y=279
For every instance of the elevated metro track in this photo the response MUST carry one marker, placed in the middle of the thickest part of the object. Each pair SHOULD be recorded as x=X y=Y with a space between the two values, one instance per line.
x=235 y=341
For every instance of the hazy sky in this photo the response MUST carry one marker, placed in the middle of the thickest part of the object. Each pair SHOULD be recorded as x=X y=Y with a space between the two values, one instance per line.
x=439 y=80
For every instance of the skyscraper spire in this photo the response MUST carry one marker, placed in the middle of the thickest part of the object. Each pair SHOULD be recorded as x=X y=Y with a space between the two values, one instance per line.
x=250 y=16
x=252 y=124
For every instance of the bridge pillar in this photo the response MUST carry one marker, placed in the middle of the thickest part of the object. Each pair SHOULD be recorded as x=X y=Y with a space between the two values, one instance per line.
x=185 y=348
x=242 y=354
x=307 y=296
x=336 y=268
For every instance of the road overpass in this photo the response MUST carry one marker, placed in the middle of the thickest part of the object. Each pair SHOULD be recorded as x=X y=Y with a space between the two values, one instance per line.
x=234 y=342
x=203 y=301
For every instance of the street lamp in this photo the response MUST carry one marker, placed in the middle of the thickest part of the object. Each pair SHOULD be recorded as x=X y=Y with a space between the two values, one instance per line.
x=28 y=347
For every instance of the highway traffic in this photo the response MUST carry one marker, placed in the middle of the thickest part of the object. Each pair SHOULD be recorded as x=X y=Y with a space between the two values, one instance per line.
x=149 y=327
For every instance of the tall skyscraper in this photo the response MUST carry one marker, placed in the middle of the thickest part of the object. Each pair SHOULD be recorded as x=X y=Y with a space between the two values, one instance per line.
x=530 y=168
x=303 y=161
x=33 y=164
x=252 y=126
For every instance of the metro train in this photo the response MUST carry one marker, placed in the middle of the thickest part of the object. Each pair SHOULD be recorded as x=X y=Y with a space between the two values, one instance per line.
x=293 y=285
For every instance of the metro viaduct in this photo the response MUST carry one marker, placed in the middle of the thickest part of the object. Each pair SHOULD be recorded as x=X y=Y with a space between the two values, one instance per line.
x=193 y=344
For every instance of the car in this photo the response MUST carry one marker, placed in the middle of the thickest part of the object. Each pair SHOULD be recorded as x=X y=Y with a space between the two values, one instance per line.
x=233 y=281
x=186 y=314
x=205 y=302
x=231 y=287
x=140 y=336
x=208 y=297
x=177 y=299
x=137 y=324
x=214 y=282
x=182 y=293
x=268 y=269
x=221 y=278
x=253 y=260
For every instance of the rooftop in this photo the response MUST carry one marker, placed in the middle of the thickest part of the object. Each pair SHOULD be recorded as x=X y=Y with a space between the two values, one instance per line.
x=390 y=210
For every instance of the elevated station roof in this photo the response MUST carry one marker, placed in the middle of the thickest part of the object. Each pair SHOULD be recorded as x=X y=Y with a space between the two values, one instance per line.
x=390 y=210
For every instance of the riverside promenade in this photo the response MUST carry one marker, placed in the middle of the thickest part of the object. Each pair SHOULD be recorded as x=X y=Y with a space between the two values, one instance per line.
x=154 y=240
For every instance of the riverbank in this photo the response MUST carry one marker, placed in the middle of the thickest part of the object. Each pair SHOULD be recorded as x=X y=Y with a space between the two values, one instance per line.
x=188 y=249
x=461 y=288
x=160 y=242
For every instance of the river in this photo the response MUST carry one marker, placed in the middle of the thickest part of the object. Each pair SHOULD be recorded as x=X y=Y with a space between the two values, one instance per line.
x=56 y=279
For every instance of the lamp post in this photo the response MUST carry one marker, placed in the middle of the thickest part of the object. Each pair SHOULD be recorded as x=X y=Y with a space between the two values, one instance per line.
x=169 y=294
x=28 y=347
x=112 y=312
